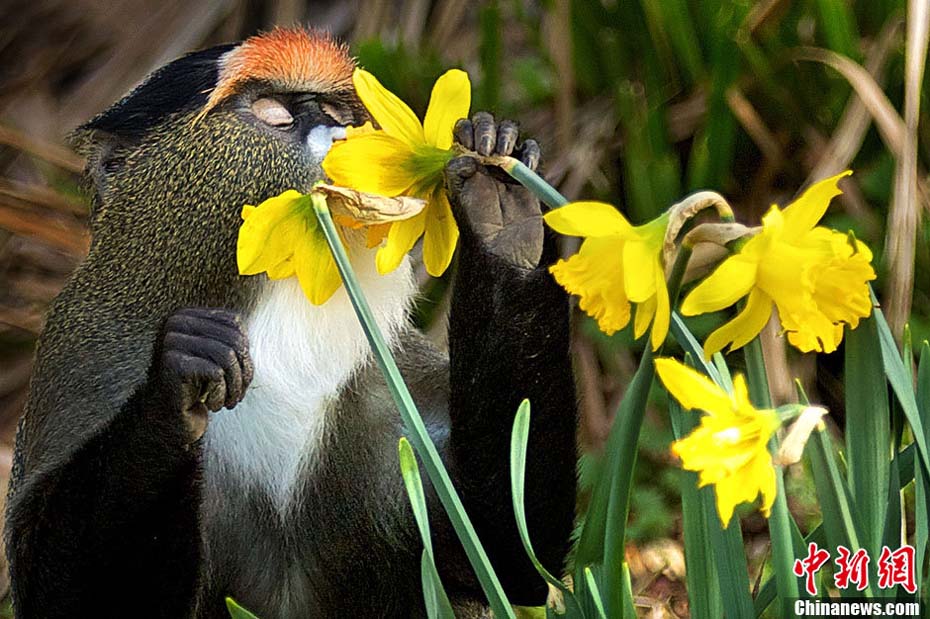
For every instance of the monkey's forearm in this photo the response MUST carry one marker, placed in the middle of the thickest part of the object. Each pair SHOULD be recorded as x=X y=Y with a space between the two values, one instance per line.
x=509 y=340
x=114 y=531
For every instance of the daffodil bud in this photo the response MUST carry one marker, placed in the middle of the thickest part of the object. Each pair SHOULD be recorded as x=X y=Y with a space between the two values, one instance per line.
x=792 y=447
x=687 y=209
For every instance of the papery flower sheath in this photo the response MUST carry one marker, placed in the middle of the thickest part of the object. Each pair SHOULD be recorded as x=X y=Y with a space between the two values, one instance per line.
x=618 y=264
x=405 y=157
x=282 y=237
x=816 y=277
x=729 y=449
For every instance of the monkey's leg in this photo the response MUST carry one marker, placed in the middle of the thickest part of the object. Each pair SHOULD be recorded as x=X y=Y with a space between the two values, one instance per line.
x=114 y=531
x=509 y=340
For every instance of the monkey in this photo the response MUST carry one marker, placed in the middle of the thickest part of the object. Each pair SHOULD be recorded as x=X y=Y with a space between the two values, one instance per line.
x=192 y=433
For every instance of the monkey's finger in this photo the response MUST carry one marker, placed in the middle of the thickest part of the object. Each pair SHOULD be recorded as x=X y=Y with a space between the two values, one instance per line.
x=485 y=133
x=191 y=323
x=248 y=371
x=458 y=171
x=217 y=314
x=215 y=397
x=227 y=360
x=221 y=325
x=463 y=133
x=210 y=380
x=221 y=331
x=529 y=154
x=220 y=354
x=507 y=133
x=194 y=381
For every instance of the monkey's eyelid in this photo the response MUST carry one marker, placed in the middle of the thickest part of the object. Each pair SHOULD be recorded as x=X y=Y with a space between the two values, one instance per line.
x=338 y=113
x=272 y=112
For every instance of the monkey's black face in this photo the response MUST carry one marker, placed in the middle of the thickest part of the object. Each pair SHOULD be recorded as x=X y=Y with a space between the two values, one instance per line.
x=171 y=174
x=304 y=119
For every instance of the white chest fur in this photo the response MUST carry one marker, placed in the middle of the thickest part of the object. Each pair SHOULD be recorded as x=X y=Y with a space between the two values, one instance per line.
x=302 y=355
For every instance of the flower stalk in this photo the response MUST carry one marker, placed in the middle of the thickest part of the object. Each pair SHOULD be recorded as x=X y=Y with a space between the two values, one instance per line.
x=780 y=520
x=419 y=437
x=603 y=537
x=531 y=180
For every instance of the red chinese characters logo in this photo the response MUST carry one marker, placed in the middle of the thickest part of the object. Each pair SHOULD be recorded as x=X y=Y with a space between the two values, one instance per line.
x=897 y=568
x=810 y=565
x=852 y=568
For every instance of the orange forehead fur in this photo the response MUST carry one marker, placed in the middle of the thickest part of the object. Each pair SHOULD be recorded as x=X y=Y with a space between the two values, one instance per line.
x=292 y=59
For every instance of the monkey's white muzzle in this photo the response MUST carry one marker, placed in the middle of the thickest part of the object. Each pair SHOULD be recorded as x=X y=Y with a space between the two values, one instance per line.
x=321 y=138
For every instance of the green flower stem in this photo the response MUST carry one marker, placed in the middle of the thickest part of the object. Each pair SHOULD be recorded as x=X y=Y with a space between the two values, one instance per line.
x=419 y=437
x=604 y=534
x=534 y=182
x=780 y=520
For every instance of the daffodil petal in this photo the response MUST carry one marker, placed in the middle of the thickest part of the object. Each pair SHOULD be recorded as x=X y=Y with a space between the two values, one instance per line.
x=268 y=233
x=371 y=163
x=691 y=388
x=804 y=213
x=441 y=234
x=663 y=311
x=639 y=267
x=589 y=219
x=728 y=283
x=449 y=101
x=595 y=274
x=763 y=471
x=393 y=115
x=282 y=270
x=741 y=393
x=354 y=132
x=401 y=238
x=726 y=494
x=745 y=326
x=645 y=312
x=315 y=268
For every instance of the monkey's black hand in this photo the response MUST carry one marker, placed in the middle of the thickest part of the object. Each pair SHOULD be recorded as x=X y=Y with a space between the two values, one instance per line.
x=503 y=215
x=203 y=364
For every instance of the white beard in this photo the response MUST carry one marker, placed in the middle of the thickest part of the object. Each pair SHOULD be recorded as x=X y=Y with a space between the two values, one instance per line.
x=302 y=355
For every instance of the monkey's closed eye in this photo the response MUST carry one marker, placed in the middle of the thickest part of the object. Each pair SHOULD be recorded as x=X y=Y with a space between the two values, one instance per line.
x=272 y=112
x=341 y=115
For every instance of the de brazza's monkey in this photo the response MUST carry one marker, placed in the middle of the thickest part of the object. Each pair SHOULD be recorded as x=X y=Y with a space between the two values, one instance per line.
x=135 y=495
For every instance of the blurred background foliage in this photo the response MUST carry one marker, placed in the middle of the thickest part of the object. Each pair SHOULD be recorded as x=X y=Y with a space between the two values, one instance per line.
x=635 y=102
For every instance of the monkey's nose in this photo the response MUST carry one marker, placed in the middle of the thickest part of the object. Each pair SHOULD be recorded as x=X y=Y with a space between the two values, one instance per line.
x=320 y=139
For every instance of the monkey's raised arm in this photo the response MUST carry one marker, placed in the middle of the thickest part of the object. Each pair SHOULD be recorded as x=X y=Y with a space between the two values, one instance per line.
x=509 y=340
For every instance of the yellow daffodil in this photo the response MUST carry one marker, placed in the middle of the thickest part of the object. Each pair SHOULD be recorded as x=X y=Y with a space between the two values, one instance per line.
x=281 y=236
x=816 y=277
x=405 y=157
x=617 y=264
x=729 y=448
